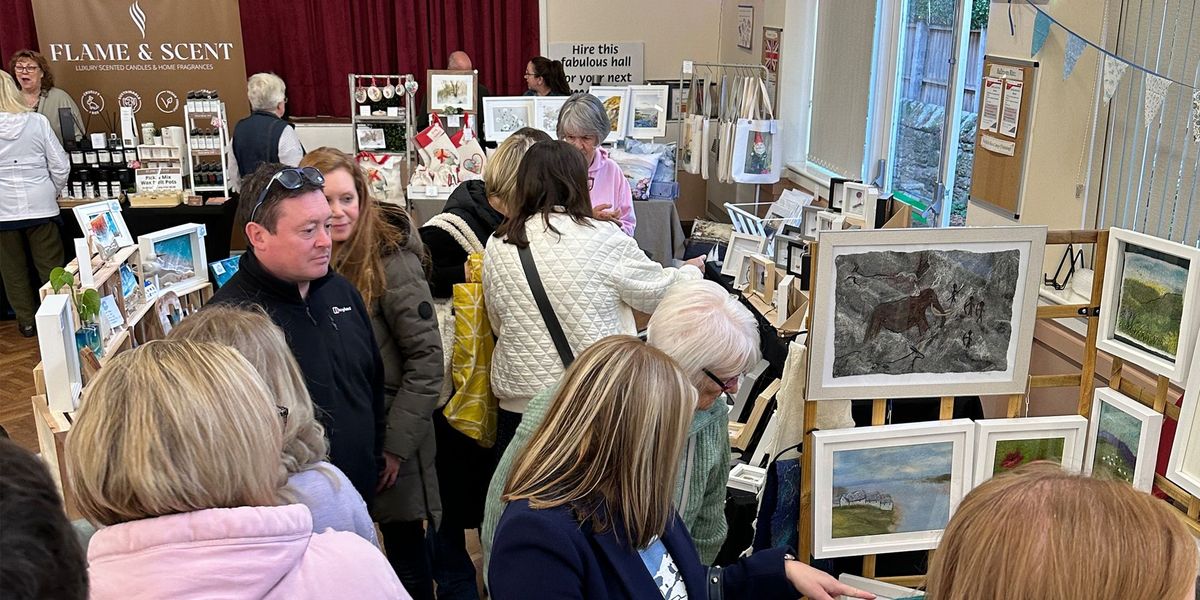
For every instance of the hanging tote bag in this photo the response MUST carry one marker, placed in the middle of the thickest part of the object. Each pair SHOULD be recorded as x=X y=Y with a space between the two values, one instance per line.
x=757 y=151
x=693 y=133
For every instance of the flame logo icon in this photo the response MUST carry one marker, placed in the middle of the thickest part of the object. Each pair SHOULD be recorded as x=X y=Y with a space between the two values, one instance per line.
x=139 y=17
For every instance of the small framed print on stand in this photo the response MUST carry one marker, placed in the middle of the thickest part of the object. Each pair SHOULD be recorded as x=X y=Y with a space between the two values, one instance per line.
x=453 y=90
x=762 y=277
x=740 y=245
x=861 y=200
x=174 y=258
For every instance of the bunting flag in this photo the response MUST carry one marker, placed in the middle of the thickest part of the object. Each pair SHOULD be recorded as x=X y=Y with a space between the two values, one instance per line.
x=1075 y=46
x=1156 y=92
x=1196 y=116
x=1041 y=29
x=1114 y=70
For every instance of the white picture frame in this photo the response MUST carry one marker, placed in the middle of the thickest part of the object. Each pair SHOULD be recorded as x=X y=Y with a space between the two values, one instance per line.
x=740 y=245
x=505 y=115
x=809 y=223
x=878 y=356
x=370 y=138
x=60 y=356
x=881 y=589
x=648 y=111
x=1183 y=467
x=1163 y=260
x=103 y=222
x=924 y=468
x=545 y=113
x=1125 y=421
x=1018 y=440
x=455 y=90
x=861 y=201
x=173 y=258
x=616 y=102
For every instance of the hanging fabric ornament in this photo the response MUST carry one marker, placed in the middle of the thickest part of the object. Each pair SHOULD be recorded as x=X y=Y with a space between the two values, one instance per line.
x=1075 y=46
x=1196 y=116
x=1156 y=91
x=1041 y=29
x=1114 y=70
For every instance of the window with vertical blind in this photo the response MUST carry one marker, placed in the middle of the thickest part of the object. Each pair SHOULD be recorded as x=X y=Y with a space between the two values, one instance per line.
x=842 y=85
x=1149 y=176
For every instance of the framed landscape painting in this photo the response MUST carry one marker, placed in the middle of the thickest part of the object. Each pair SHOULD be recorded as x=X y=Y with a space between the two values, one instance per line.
x=1183 y=468
x=616 y=104
x=889 y=488
x=1122 y=441
x=452 y=90
x=648 y=104
x=1002 y=445
x=904 y=313
x=1148 y=311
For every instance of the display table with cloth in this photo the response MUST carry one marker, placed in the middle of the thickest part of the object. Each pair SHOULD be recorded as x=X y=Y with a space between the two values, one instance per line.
x=217 y=220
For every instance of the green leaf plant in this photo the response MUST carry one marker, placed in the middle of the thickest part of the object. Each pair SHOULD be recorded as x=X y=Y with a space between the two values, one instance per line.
x=87 y=302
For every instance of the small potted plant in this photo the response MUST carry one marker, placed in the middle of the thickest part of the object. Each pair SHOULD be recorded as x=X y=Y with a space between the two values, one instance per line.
x=87 y=304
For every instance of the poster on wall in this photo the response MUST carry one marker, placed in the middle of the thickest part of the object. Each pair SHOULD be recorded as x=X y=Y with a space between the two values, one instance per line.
x=745 y=26
x=772 y=36
x=600 y=63
x=143 y=54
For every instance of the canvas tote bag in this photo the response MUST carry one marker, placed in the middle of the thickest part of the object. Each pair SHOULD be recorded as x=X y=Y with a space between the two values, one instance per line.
x=757 y=154
x=693 y=132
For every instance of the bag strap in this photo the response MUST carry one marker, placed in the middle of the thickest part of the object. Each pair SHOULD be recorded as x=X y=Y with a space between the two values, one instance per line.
x=766 y=98
x=543 y=304
x=458 y=229
x=714 y=583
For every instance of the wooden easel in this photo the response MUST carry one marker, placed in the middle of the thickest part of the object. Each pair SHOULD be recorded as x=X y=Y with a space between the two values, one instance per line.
x=1084 y=380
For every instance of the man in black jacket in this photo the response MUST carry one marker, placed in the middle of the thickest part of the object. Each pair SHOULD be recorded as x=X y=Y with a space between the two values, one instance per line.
x=286 y=271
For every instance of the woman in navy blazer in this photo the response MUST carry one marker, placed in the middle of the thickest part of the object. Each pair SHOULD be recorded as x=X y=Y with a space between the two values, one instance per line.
x=590 y=510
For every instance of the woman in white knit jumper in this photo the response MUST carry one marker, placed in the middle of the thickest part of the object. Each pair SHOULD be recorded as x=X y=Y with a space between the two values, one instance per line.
x=594 y=276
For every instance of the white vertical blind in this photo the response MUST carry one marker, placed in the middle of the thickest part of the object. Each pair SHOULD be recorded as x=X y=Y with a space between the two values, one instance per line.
x=842 y=85
x=1150 y=175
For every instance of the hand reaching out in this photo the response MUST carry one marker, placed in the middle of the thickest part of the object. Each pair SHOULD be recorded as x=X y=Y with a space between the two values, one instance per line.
x=604 y=212
x=819 y=585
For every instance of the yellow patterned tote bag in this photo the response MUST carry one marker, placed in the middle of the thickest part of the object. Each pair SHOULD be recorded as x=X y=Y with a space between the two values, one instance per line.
x=472 y=408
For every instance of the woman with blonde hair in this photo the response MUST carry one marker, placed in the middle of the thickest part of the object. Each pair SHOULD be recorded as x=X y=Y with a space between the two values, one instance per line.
x=175 y=454
x=377 y=248
x=590 y=511
x=1040 y=532
x=313 y=481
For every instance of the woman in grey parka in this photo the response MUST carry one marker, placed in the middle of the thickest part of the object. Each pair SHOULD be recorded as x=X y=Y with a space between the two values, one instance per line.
x=378 y=249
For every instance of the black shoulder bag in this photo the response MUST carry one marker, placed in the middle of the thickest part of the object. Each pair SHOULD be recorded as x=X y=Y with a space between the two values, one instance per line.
x=543 y=304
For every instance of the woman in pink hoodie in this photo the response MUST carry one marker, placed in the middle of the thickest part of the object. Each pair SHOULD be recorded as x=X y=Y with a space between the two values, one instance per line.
x=583 y=122
x=175 y=453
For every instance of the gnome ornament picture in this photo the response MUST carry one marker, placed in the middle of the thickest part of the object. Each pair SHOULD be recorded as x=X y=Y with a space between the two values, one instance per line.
x=759 y=161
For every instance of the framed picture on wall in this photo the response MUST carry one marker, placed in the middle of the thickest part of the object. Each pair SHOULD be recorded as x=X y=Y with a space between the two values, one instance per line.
x=648 y=105
x=451 y=90
x=616 y=104
x=745 y=26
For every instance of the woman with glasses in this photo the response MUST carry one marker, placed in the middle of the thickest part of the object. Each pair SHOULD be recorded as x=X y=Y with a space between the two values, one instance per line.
x=583 y=122
x=593 y=276
x=546 y=77
x=313 y=481
x=175 y=454
x=378 y=249
x=32 y=73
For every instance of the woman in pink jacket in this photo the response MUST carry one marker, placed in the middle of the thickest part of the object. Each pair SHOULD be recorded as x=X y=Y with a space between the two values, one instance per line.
x=175 y=453
x=583 y=122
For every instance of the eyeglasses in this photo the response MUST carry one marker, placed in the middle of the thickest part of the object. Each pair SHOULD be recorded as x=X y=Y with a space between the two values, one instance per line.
x=531 y=75
x=25 y=68
x=591 y=183
x=292 y=179
x=283 y=413
x=725 y=385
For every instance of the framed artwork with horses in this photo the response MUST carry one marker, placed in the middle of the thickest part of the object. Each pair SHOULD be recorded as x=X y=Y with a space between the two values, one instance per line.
x=906 y=313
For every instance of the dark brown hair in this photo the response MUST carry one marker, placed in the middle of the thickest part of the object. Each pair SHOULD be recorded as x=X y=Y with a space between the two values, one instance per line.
x=551 y=71
x=35 y=56
x=252 y=186
x=360 y=257
x=553 y=175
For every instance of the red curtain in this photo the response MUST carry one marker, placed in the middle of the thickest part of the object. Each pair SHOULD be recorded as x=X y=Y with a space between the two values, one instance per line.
x=314 y=44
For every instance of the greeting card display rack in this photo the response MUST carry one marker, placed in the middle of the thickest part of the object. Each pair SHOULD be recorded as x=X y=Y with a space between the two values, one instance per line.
x=207 y=151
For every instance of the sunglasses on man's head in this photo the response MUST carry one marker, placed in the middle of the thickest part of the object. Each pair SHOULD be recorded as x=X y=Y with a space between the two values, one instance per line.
x=291 y=178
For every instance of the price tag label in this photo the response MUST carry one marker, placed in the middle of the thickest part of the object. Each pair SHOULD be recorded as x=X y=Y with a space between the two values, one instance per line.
x=454 y=120
x=431 y=190
x=688 y=67
x=203 y=231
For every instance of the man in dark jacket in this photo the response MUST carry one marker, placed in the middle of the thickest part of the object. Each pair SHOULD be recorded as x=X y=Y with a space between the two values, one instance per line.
x=286 y=271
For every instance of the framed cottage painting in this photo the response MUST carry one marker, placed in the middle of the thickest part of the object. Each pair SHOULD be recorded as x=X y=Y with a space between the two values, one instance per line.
x=452 y=90
x=174 y=259
x=1183 y=468
x=889 y=488
x=505 y=115
x=545 y=113
x=616 y=104
x=902 y=313
x=1122 y=442
x=1002 y=445
x=1148 y=311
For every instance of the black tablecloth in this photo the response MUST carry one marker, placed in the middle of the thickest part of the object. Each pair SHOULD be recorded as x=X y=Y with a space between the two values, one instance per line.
x=218 y=221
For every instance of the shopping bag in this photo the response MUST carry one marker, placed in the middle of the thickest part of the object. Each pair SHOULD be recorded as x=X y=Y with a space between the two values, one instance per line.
x=384 y=175
x=757 y=151
x=473 y=408
x=470 y=155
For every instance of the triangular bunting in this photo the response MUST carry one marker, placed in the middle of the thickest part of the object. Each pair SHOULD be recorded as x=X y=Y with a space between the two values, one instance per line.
x=1075 y=46
x=1114 y=70
x=1041 y=29
x=1196 y=116
x=1156 y=91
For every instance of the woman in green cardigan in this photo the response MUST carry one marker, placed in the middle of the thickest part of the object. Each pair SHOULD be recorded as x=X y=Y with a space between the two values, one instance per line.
x=714 y=339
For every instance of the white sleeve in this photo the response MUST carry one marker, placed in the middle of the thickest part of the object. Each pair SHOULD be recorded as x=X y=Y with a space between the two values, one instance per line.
x=231 y=166
x=57 y=161
x=290 y=149
x=641 y=282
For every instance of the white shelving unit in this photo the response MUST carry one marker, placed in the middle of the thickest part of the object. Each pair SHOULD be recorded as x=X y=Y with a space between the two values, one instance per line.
x=207 y=156
x=401 y=148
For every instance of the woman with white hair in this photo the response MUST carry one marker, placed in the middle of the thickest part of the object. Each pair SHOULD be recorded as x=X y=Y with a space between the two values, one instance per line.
x=584 y=122
x=34 y=168
x=714 y=339
x=263 y=136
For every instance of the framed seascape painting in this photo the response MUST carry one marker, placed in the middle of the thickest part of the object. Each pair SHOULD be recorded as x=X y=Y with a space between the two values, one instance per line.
x=1122 y=442
x=889 y=488
x=616 y=104
x=648 y=103
x=1148 y=311
x=1002 y=445
x=1183 y=468
x=102 y=221
x=545 y=113
x=455 y=90
x=174 y=259
x=506 y=114
x=903 y=313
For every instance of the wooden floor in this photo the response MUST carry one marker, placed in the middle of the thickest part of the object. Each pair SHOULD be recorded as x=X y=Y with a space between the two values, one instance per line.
x=18 y=356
